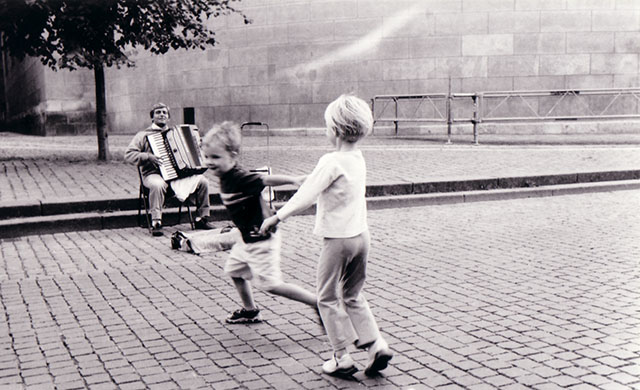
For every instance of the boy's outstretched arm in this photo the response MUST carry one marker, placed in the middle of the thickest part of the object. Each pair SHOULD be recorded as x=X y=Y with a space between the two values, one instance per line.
x=281 y=180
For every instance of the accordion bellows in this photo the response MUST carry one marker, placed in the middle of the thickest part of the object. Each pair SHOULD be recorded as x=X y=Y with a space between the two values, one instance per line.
x=178 y=149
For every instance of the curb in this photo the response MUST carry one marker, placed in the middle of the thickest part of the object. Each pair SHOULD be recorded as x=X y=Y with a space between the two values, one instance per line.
x=73 y=205
x=61 y=223
x=417 y=200
x=12 y=228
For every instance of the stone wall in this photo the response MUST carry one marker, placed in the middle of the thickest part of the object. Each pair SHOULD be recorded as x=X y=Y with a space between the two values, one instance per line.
x=25 y=95
x=70 y=98
x=298 y=55
x=44 y=102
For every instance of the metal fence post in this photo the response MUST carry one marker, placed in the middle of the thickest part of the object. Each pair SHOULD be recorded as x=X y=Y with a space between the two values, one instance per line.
x=395 y=100
x=477 y=115
x=449 y=115
x=373 y=113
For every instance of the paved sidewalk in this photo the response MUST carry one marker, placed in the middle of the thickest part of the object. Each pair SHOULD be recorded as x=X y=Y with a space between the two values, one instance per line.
x=519 y=294
x=46 y=169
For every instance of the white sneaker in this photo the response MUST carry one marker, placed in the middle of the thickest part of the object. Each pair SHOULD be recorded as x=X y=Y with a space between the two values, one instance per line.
x=379 y=356
x=344 y=366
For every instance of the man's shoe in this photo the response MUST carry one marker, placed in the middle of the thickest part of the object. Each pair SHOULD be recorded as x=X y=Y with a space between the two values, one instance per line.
x=244 y=316
x=204 y=224
x=343 y=367
x=379 y=356
x=156 y=229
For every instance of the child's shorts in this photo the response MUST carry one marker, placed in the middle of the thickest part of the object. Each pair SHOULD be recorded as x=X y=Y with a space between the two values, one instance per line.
x=257 y=261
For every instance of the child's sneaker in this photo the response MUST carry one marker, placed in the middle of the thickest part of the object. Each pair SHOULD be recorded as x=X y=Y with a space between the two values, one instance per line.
x=342 y=367
x=176 y=240
x=244 y=316
x=180 y=242
x=379 y=356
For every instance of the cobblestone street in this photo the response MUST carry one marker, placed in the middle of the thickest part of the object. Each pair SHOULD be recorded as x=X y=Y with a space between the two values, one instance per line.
x=501 y=175
x=537 y=293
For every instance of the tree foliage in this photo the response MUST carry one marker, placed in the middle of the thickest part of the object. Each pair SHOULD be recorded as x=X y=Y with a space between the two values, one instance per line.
x=84 y=33
x=94 y=34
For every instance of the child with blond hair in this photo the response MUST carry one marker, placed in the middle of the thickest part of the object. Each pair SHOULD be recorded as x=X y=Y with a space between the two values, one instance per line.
x=338 y=184
x=256 y=257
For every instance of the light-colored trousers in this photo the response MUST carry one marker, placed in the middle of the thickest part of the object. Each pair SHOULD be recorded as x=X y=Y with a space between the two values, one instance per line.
x=158 y=188
x=342 y=271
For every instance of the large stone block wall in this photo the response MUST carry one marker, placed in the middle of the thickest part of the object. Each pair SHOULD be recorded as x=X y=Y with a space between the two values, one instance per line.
x=298 y=55
x=25 y=94
x=70 y=102
x=46 y=102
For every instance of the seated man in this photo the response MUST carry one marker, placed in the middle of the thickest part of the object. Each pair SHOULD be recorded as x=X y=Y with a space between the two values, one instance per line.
x=139 y=152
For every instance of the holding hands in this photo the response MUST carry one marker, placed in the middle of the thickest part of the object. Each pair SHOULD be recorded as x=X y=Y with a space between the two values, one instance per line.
x=268 y=224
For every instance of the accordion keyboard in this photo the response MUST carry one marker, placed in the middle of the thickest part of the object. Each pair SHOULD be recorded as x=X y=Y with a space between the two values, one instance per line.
x=159 y=148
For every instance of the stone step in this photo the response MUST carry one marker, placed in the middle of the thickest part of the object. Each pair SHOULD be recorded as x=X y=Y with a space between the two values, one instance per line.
x=75 y=205
x=59 y=223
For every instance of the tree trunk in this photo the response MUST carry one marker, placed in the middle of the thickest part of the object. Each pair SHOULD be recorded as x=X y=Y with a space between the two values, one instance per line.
x=101 y=113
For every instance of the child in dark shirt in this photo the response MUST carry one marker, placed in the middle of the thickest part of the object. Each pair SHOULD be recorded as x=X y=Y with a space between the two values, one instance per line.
x=257 y=256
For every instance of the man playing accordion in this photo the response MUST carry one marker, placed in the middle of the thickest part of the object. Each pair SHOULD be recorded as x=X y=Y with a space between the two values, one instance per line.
x=139 y=152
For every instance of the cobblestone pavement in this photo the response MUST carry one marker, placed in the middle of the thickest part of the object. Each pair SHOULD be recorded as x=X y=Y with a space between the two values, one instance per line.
x=38 y=168
x=540 y=293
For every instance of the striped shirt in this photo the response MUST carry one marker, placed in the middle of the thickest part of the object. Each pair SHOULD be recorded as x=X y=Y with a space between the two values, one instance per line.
x=240 y=192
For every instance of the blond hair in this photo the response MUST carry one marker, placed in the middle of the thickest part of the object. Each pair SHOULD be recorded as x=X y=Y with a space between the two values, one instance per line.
x=349 y=117
x=226 y=133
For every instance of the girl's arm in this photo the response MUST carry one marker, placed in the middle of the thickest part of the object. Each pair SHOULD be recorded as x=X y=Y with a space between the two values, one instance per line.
x=322 y=176
x=280 y=180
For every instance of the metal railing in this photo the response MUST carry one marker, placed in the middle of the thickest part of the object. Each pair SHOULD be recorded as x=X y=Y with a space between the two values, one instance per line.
x=497 y=107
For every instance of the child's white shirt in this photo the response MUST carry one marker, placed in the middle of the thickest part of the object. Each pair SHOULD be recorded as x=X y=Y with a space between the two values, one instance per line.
x=338 y=183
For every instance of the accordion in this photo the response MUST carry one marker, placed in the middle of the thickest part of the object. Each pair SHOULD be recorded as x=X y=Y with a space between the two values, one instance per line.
x=178 y=149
